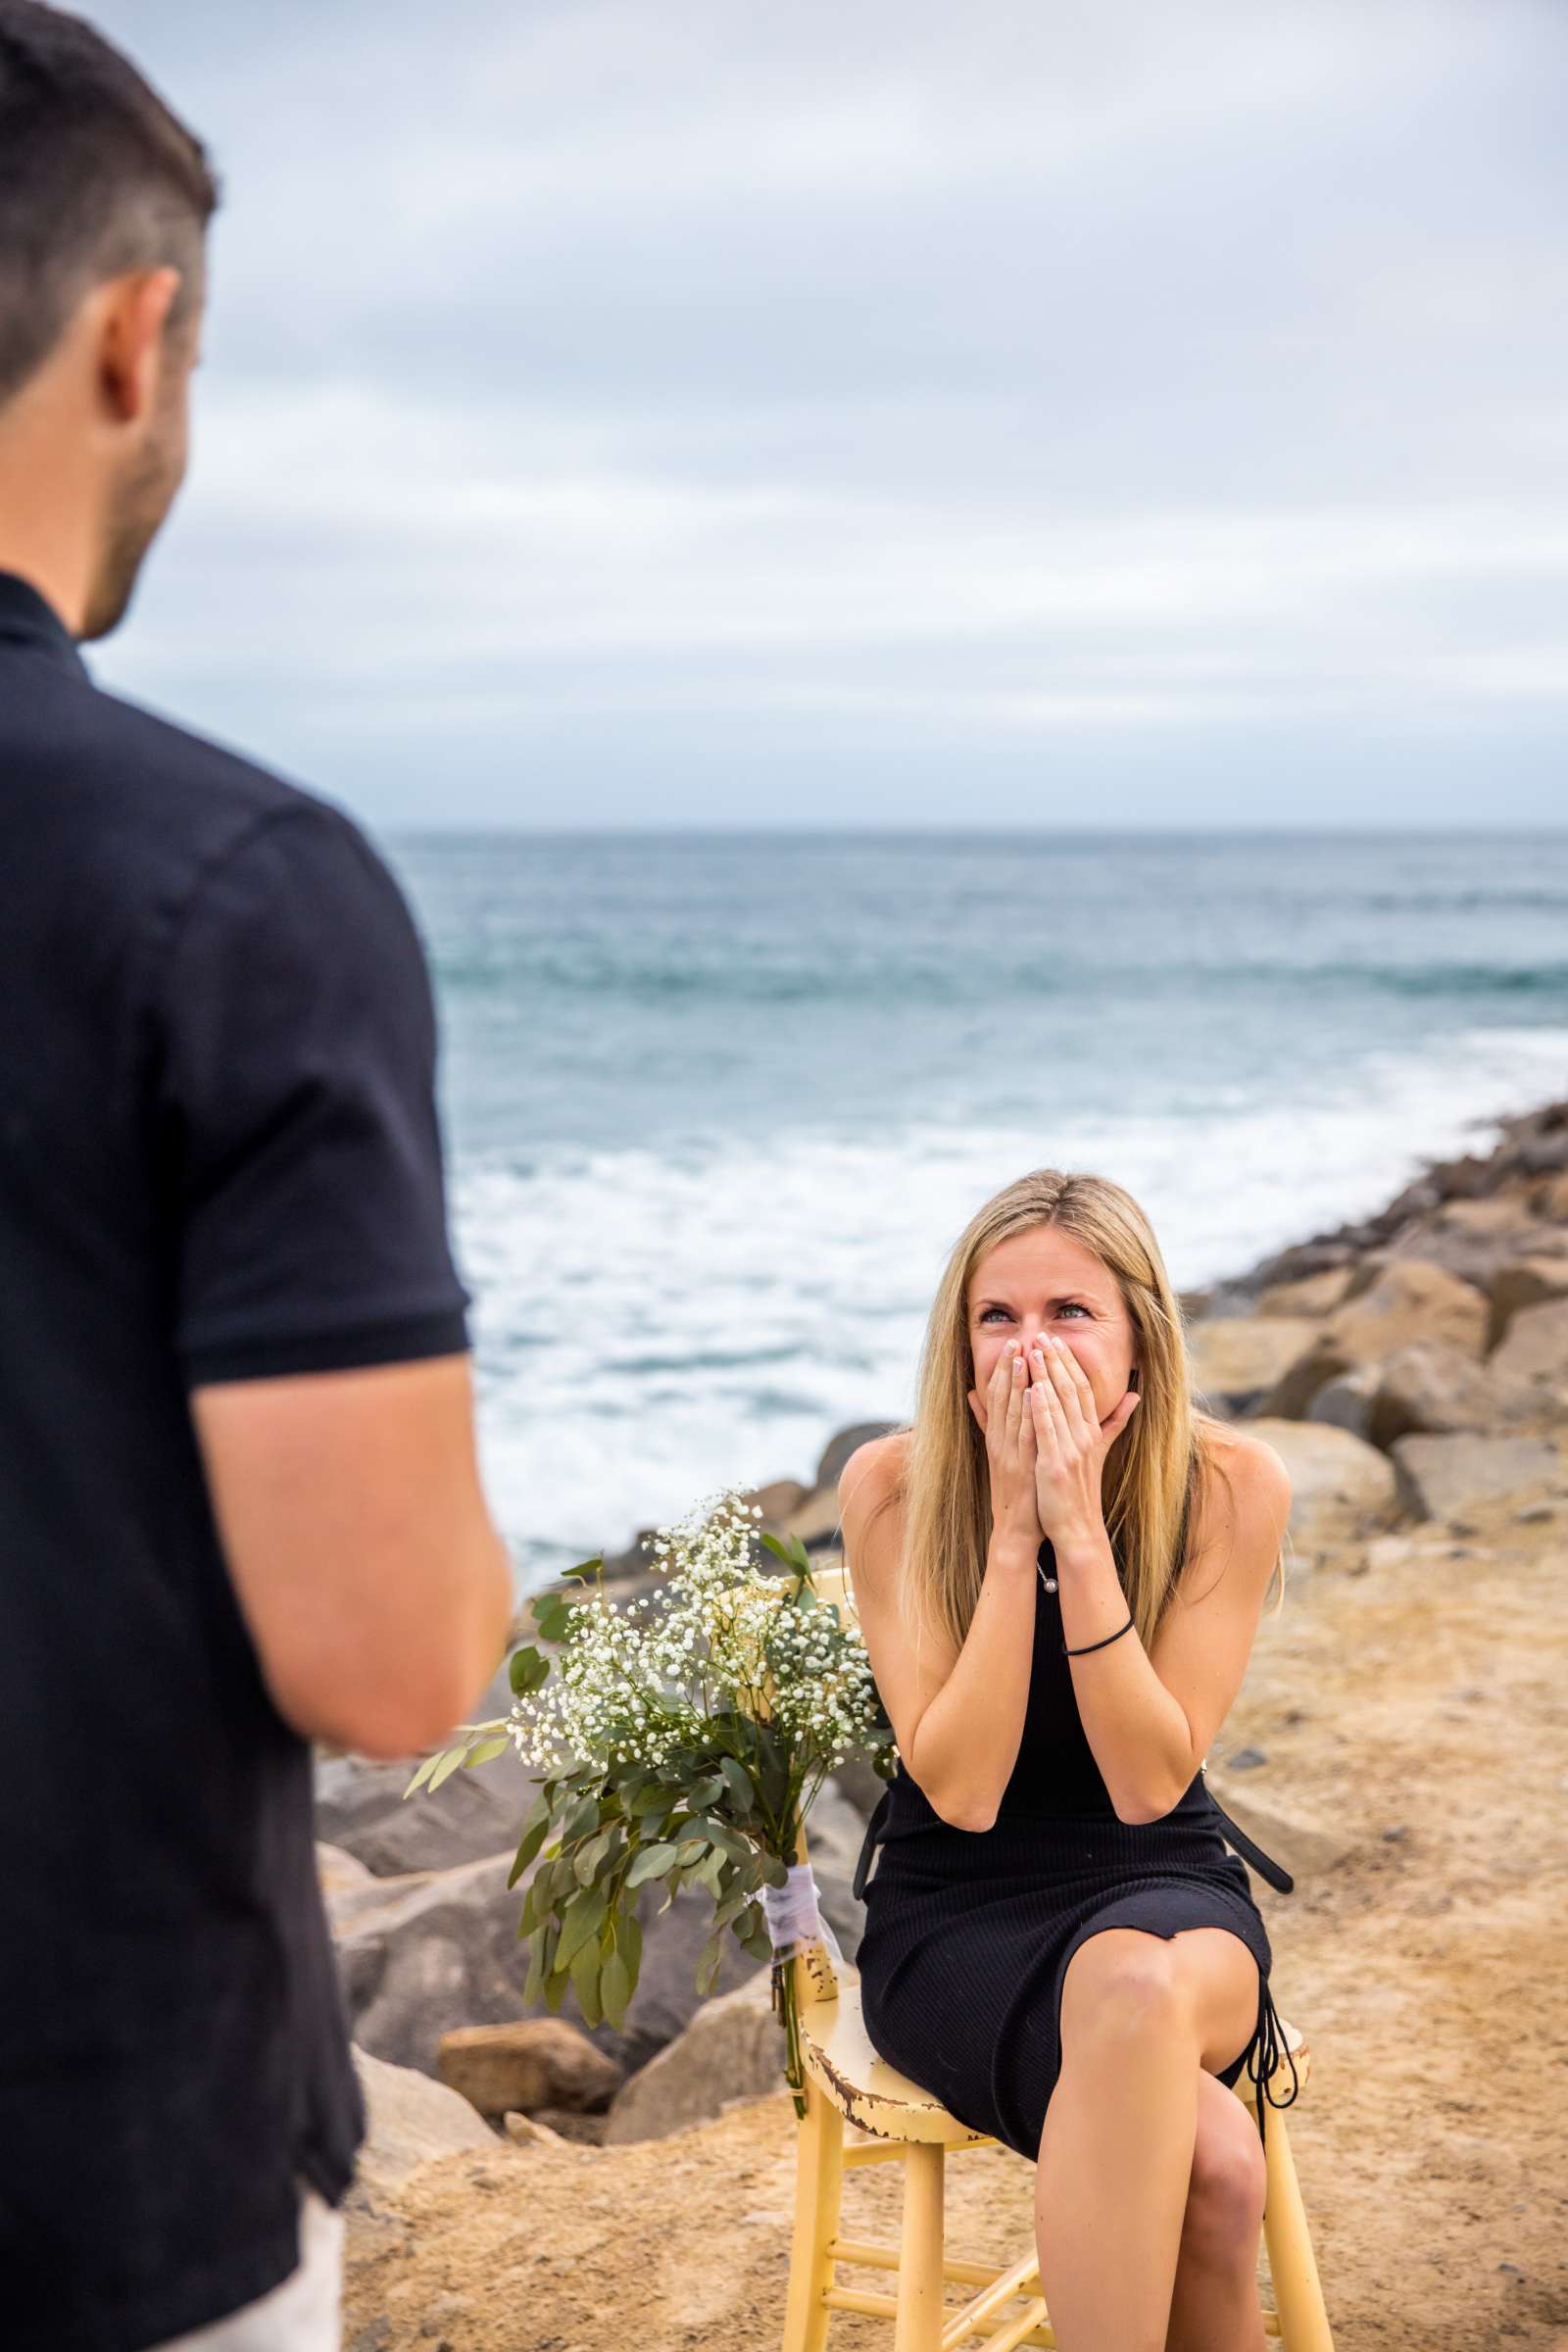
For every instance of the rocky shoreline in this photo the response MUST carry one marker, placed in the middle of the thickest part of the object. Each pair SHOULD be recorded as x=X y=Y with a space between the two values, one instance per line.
x=1412 y=1370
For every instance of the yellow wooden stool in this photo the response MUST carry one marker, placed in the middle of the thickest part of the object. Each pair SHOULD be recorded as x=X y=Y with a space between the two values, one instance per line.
x=894 y=2120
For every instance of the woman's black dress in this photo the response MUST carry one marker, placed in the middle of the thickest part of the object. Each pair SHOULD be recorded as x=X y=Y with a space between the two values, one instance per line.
x=968 y=1934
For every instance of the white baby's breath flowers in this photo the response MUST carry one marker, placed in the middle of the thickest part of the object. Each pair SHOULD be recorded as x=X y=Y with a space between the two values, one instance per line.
x=643 y=1684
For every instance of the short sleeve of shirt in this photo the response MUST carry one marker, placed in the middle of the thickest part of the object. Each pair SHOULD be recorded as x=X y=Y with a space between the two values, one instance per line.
x=299 y=1112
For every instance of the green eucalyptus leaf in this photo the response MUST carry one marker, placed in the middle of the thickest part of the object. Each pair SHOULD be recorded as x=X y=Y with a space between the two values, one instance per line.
x=581 y=1821
x=528 y=1671
x=538 y=1966
x=585 y=1973
x=709 y=1964
x=446 y=1765
x=554 y=1616
x=628 y=1934
x=737 y=1901
x=651 y=1862
x=615 y=1987
x=423 y=1772
x=584 y=1917
x=691 y=1849
x=533 y=1840
x=486 y=1752
x=710 y=1873
x=586 y=1567
x=738 y=1780
x=586 y=1860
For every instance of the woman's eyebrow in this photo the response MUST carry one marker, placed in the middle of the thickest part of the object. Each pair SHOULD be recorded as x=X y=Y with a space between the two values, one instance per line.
x=1066 y=1298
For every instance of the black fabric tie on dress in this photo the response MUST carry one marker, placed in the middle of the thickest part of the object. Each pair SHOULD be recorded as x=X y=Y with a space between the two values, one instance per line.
x=1263 y=2057
x=1264 y=1863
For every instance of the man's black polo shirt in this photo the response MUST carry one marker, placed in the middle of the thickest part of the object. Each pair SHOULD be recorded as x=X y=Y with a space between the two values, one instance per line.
x=218 y=1158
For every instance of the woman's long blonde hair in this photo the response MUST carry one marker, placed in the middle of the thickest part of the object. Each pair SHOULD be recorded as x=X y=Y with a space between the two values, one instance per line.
x=1152 y=1473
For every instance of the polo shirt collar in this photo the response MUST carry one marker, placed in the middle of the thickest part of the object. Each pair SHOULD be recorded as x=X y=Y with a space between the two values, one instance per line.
x=27 y=617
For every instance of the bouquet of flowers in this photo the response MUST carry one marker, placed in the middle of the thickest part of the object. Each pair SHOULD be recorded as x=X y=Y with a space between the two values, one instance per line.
x=682 y=1738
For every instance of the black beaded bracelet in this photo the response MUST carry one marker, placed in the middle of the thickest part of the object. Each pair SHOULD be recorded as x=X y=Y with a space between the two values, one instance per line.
x=1089 y=1645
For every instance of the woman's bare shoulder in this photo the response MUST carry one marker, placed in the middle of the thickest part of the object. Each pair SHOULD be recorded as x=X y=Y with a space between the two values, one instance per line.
x=1247 y=1463
x=874 y=1471
x=1244 y=1479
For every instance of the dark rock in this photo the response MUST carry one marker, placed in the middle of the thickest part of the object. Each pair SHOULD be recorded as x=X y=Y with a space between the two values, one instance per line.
x=1248 y=1758
x=830 y=1468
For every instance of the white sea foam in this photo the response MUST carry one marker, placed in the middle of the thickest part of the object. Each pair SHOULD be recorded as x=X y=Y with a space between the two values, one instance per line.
x=651 y=1324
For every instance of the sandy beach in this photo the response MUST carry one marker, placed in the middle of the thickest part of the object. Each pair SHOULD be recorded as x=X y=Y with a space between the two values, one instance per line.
x=1406 y=1703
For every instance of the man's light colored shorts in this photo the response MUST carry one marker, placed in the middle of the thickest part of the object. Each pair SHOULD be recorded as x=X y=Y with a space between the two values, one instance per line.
x=304 y=2314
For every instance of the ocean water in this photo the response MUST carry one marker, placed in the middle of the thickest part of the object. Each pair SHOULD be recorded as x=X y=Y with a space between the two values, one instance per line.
x=717 y=1106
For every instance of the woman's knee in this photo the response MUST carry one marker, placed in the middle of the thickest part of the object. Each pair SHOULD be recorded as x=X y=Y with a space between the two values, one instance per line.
x=1121 y=1982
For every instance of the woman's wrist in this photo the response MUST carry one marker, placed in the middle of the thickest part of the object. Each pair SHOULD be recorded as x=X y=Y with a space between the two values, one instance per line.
x=1013 y=1551
x=1080 y=1550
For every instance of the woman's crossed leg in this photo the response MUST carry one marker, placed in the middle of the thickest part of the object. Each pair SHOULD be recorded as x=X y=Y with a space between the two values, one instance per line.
x=1150 y=2187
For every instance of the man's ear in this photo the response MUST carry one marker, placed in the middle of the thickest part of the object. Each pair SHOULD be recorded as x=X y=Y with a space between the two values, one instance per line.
x=134 y=310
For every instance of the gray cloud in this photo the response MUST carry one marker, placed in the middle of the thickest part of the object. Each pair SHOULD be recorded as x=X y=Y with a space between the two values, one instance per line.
x=708 y=413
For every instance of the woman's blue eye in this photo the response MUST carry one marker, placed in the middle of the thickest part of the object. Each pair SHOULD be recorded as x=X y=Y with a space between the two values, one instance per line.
x=1073 y=1305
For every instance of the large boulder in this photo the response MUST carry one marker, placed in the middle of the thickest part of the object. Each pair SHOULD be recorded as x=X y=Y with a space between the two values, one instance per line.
x=1237 y=1359
x=409 y=2121
x=1429 y=1389
x=1411 y=1299
x=830 y=1469
x=1525 y=1282
x=535 y=2062
x=361 y=1809
x=1534 y=1350
x=433 y=1950
x=1309 y=1844
x=817 y=1522
x=1346 y=1401
x=426 y=1951
x=1310 y=1295
x=732 y=2049
x=857 y=1781
x=1337 y=1480
x=1441 y=1478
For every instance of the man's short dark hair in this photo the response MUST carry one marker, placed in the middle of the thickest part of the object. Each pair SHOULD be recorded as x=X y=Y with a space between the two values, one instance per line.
x=97 y=176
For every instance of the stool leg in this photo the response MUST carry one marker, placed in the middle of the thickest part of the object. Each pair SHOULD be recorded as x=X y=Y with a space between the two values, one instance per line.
x=819 y=2184
x=1292 y=2264
x=918 y=2327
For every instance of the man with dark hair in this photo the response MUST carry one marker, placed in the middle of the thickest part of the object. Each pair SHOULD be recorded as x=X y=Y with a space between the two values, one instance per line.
x=238 y=1486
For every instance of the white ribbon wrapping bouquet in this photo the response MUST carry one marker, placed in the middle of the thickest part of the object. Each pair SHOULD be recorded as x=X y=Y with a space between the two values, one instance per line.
x=794 y=1916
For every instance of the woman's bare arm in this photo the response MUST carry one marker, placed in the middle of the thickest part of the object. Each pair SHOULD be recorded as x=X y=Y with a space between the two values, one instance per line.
x=957 y=1717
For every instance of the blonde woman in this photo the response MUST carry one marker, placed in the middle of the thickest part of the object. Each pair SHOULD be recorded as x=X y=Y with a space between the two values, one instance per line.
x=1060 y=1568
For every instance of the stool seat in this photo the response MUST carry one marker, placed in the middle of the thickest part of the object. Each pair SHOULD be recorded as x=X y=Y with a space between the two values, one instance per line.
x=837 y=2053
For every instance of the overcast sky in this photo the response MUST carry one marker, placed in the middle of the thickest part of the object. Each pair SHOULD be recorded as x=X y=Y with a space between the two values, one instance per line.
x=703 y=411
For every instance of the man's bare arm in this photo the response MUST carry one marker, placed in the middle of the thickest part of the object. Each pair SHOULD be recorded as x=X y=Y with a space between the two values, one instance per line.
x=373 y=1583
